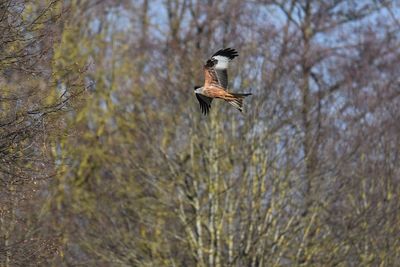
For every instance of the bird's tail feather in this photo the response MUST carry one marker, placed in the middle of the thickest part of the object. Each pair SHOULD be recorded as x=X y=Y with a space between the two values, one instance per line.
x=236 y=100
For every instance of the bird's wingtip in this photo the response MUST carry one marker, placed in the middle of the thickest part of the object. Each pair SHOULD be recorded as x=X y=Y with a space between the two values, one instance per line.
x=228 y=52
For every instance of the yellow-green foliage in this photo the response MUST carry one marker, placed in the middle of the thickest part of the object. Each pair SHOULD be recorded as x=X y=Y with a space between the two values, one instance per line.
x=114 y=165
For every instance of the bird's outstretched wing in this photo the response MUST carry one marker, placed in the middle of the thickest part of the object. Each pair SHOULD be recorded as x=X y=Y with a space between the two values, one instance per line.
x=205 y=103
x=215 y=70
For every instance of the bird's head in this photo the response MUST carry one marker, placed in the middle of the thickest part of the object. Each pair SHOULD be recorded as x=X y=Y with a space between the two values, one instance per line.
x=197 y=89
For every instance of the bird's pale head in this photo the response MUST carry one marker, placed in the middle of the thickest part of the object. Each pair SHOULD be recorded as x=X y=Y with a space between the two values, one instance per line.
x=198 y=89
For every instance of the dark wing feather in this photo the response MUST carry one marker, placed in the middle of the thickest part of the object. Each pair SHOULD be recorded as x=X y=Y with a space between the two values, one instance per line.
x=222 y=76
x=205 y=103
x=227 y=52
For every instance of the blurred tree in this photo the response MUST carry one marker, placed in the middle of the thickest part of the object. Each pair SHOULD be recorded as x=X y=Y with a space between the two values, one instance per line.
x=33 y=98
x=307 y=176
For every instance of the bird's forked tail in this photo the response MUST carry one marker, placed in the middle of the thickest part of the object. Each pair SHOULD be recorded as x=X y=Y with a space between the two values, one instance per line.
x=236 y=100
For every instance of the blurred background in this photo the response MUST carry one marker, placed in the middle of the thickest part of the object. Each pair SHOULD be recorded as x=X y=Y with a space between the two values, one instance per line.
x=106 y=159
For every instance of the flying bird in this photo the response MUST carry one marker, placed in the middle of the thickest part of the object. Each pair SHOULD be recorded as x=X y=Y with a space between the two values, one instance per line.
x=216 y=82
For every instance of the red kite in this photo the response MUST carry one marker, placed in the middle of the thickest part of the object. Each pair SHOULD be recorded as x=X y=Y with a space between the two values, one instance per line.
x=216 y=82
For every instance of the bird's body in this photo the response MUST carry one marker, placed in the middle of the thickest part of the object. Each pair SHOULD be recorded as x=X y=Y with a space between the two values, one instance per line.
x=216 y=81
x=213 y=92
